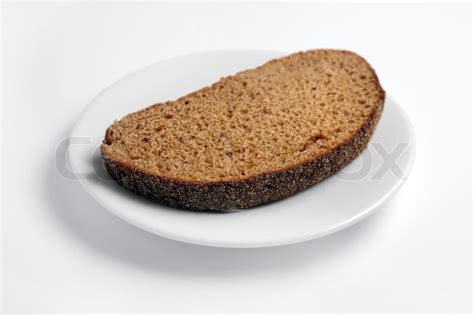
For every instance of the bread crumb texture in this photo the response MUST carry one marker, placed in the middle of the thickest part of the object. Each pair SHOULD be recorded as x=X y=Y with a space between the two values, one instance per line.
x=262 y=120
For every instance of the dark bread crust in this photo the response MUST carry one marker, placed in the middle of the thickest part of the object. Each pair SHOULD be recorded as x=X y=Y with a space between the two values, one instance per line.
x=248 y=192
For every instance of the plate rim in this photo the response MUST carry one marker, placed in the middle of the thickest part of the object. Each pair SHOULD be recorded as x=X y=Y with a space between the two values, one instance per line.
x=226 y=244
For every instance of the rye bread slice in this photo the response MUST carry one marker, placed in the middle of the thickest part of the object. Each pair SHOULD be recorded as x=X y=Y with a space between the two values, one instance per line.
x=254 y=137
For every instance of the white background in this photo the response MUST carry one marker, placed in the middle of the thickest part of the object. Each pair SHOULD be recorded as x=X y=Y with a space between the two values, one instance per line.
x=63 y=252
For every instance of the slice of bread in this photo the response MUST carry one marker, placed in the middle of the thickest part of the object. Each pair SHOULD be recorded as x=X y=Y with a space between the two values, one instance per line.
x=257 y=136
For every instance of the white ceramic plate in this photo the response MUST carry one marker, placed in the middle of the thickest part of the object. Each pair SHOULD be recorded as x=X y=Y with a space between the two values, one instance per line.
x=336 y=203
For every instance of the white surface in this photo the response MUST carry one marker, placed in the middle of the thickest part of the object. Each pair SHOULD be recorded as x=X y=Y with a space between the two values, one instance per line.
x=63 y=252
x=313 y=213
